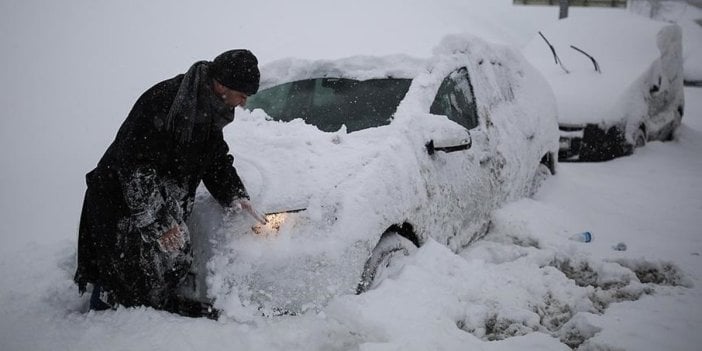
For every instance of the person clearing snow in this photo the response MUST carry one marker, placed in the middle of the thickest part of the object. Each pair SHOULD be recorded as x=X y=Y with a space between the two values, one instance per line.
x=134 y=246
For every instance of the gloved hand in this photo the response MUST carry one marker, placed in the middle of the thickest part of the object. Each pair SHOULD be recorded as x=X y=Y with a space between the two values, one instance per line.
x=172 y=240
x=244 y=204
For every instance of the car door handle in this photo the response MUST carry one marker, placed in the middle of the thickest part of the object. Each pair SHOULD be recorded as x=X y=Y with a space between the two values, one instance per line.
x=431 y=148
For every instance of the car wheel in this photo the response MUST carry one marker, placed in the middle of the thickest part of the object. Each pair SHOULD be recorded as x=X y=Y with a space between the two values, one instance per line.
x=386 y=260
x=542 y=173
x=678 y=118
x=639 y=138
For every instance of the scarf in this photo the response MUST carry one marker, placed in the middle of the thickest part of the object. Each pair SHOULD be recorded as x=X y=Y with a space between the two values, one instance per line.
x=196 y=104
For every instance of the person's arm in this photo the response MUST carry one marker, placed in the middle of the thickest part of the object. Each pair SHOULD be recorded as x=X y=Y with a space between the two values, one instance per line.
x=221 y=178
x=224 y=183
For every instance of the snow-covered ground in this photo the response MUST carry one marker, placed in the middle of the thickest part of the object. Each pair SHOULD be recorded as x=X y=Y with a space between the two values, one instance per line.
x=525 y=286
x=70 y=75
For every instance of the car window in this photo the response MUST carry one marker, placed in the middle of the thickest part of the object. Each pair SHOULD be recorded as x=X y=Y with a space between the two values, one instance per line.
x=455 y=99
x=329 y=103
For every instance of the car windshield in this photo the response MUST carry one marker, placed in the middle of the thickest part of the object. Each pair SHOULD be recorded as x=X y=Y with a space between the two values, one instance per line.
x=329 y=103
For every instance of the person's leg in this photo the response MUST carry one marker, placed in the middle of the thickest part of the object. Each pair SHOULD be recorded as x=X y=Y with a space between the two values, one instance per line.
x=98 y=299
x=153 y=280
x=191 y=308
x=147 y=275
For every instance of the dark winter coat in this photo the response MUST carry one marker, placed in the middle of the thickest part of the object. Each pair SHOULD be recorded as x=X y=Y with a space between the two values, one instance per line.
x=145 y=184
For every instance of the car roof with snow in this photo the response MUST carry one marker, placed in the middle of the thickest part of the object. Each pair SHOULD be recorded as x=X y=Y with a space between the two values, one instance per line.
x=356 y=67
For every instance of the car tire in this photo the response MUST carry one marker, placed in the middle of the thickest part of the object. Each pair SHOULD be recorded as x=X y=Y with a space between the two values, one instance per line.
x=639 y=138
x=542 y=173
x=386 y=260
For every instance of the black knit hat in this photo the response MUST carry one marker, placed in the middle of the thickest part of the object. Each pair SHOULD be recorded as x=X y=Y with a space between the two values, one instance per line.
x=237 y=70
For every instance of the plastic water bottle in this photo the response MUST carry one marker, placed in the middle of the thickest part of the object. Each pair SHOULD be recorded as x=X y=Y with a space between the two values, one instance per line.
x=584 y=237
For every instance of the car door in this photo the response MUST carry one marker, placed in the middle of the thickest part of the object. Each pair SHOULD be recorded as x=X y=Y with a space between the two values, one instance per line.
x=463 y=180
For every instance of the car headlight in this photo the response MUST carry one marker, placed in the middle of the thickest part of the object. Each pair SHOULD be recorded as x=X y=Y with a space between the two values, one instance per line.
x=273 y=222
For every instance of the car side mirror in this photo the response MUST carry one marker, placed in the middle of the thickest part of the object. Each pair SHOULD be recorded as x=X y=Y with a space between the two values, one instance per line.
x=449 y=145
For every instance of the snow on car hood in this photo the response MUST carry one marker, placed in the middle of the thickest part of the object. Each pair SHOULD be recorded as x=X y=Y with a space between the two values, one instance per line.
x=292 y=165
x=625 y=46
x=285 y=165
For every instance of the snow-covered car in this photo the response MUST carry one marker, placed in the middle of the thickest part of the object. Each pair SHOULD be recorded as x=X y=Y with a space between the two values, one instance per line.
x=358 y=161
x=618 y=80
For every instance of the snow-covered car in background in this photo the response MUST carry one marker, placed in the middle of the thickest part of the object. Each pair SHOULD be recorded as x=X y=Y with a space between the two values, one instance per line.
x=358 y=161
x=619 y=83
